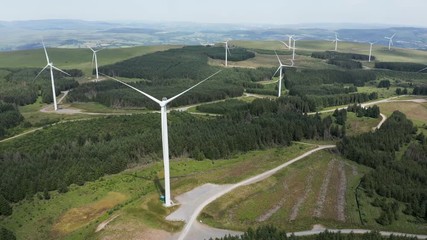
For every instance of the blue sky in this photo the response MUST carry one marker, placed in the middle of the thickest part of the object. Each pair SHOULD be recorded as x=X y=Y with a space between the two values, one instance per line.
x=393 y=12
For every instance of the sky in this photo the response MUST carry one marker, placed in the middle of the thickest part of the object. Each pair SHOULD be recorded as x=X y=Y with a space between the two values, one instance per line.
x=280 y=12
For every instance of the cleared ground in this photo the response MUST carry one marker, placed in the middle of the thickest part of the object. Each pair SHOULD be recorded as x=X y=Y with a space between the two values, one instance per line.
x=318 y=189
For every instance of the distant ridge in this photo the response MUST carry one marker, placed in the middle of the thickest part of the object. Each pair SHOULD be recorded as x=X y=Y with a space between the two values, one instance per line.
x=21 y=35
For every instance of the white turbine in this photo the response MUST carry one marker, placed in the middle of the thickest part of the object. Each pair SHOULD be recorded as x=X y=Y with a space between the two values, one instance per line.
x=164 y=126
x=227 y=51
x=281 y=65
x=290 y=41
x=50 y=65
x=336 y=41
x=95 y=59
x=390 y=41
x=370 y=50
x=293 y=49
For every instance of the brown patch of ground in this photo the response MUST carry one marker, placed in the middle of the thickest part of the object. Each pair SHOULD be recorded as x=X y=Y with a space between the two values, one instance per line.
x=76 y=218
x=324 y=190
x=413 y=110
x=134 y=230
x=342 y=187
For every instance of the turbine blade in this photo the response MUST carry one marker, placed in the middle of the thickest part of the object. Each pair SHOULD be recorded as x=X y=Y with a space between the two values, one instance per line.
x=174 y=97
x=278 y=58
x=393 y=35
x=93 y=60
x=134 y=88
x=40 y=72
x=228 y=49
x=45 y=51
x=57 y=69
x=276 y=71
x=285 y=44
x=423 y=69
x=91 y=48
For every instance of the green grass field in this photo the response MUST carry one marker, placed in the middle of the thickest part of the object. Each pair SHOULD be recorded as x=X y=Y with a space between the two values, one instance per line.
x=356 y=125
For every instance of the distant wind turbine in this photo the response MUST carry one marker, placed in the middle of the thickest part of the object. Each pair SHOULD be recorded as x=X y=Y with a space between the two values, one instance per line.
x=227 y=51
x=290 y=41
x=279 y=69
x=336 y=41
x=370 y=50
x=50 y=65
x=95 y=59
x=293 y=49
x=164 y=125
x=390 y=41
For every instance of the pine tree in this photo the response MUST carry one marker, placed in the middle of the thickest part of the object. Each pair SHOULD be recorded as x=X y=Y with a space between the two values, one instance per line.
x=5 y=208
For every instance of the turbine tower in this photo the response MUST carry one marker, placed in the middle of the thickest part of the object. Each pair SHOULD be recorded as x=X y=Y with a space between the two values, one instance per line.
x=336 y=41
x=290 y=41
x=390 y=41
x=50 y=65
x=95 y=59
x=281 y=65
x=227 y=51
x=370 y=50
x=164 y=123
x=293 y=49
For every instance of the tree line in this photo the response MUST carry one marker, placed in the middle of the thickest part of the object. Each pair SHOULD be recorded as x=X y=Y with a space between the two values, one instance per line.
x=339 y=55
x=270 y=232
x=400 y=66
x=9 y=117
x=63 y=154
x=420 y=90
x=187 y=62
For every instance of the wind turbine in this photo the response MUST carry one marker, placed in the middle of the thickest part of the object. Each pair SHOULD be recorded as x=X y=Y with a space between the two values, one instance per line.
x=95 y=59
x=281 y=65
x=336 y=41
x=227 y=51
x=290 y=41
x=390 y=41
x=293 y=49
x=50 y=65
x=370 y=50
x=164 y=124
